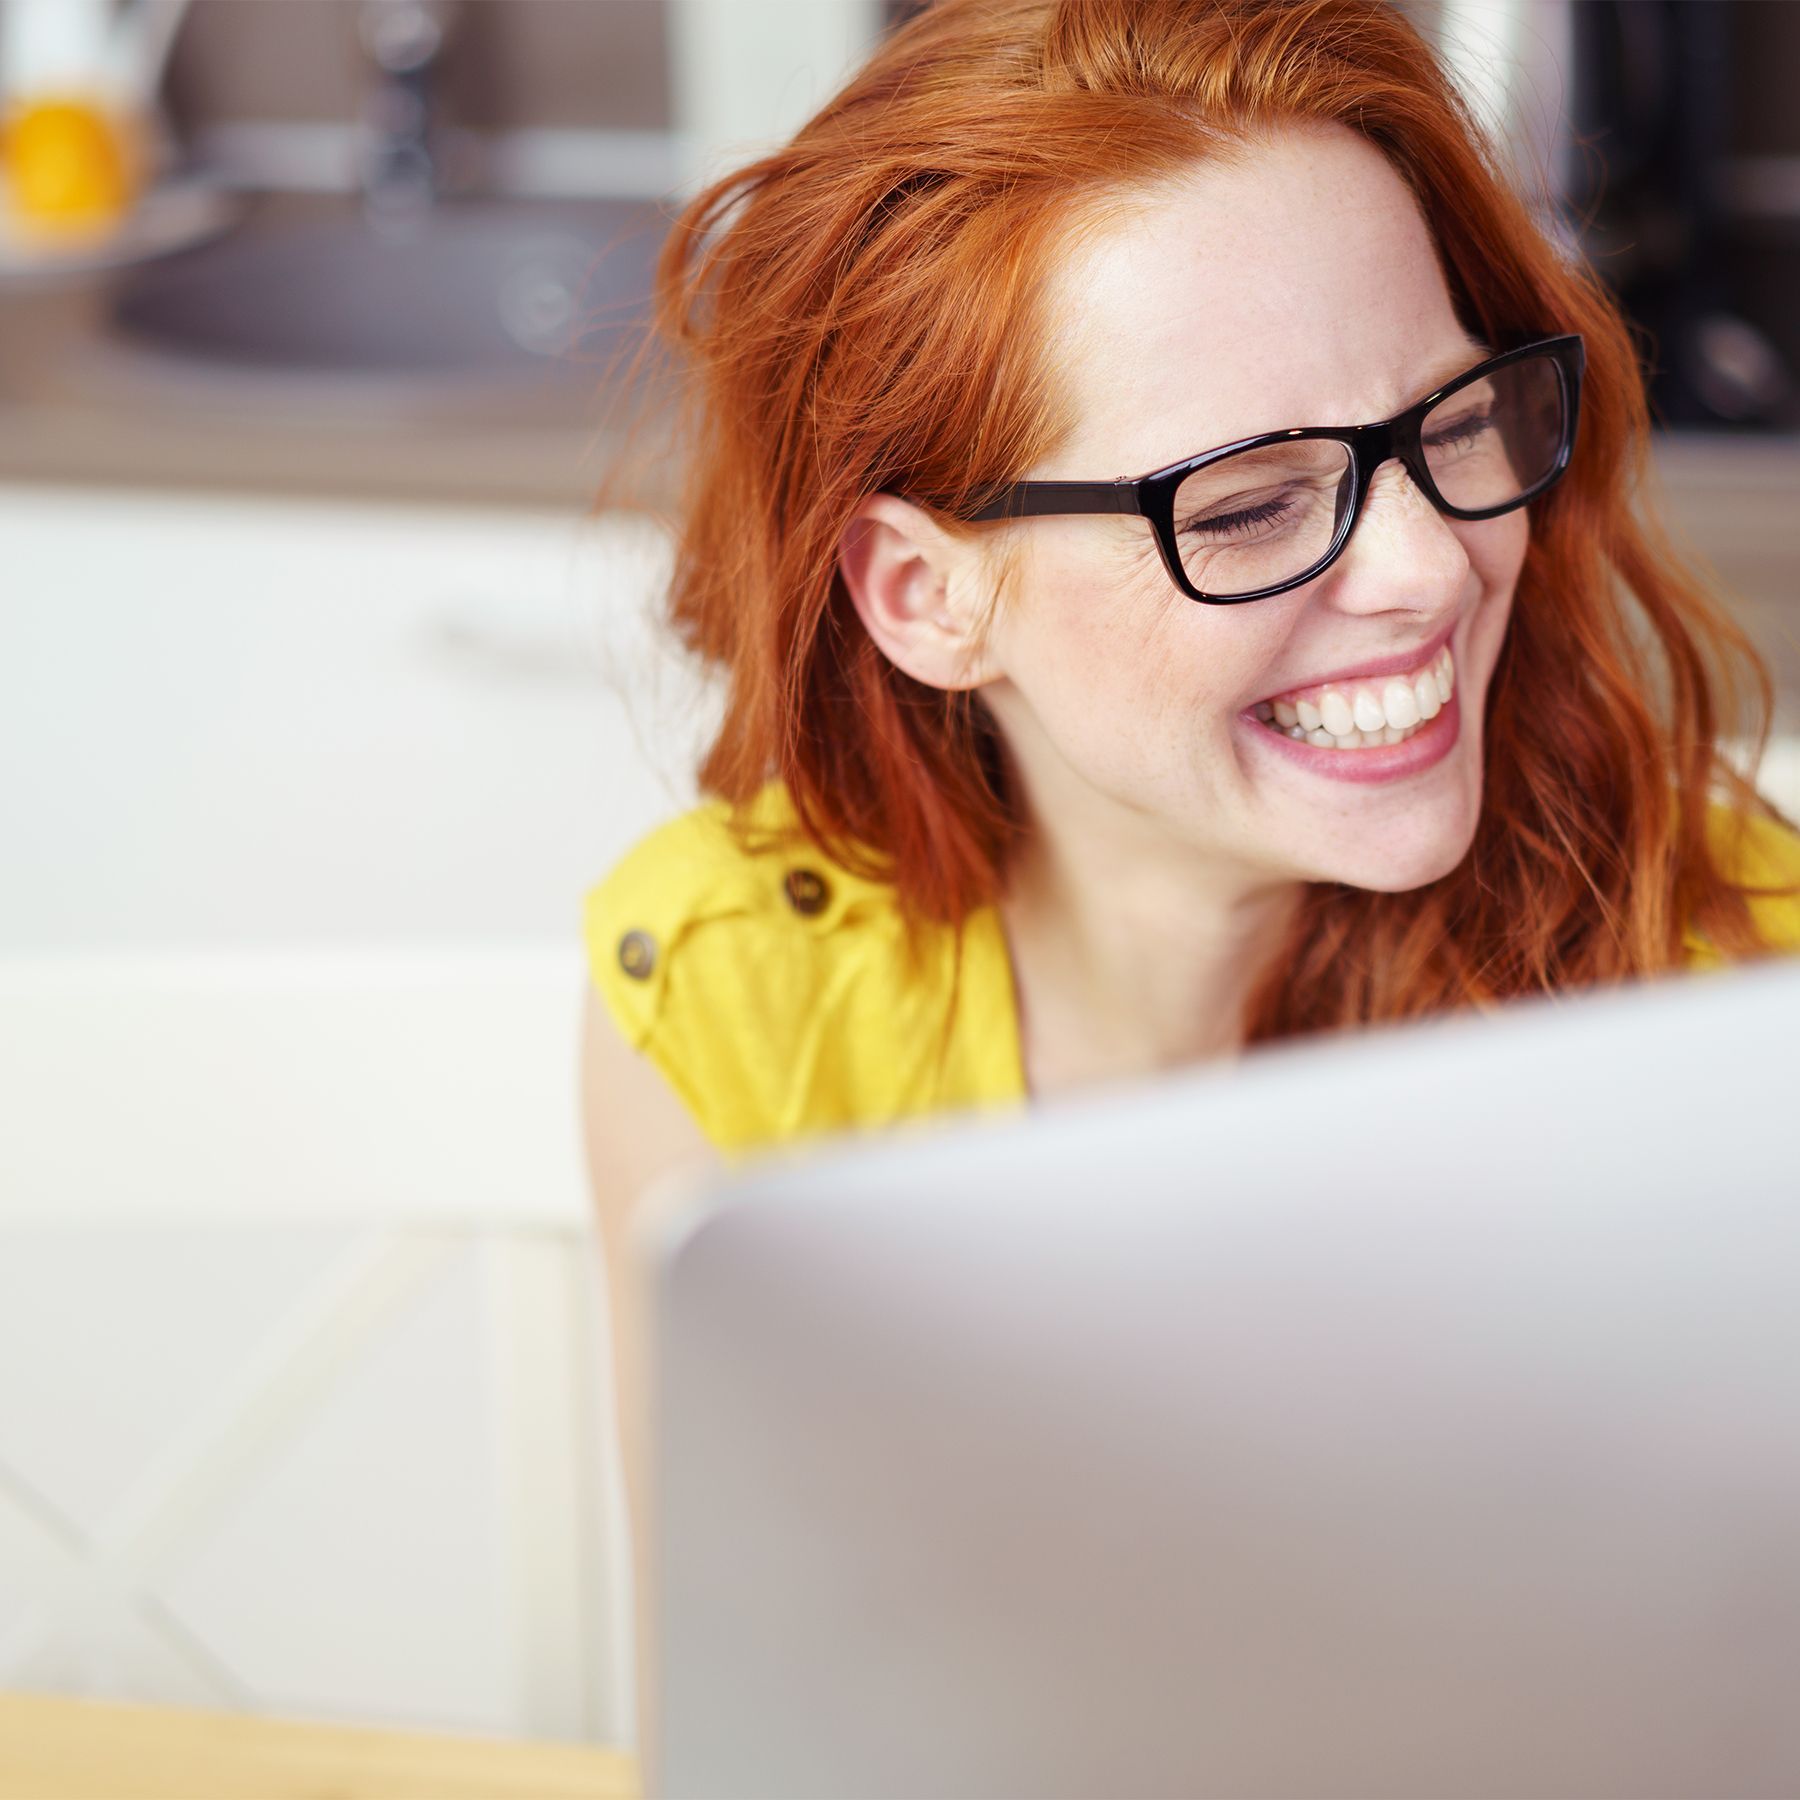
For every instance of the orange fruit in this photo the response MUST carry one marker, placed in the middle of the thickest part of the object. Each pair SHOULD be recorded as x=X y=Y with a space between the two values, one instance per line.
x=70 y=163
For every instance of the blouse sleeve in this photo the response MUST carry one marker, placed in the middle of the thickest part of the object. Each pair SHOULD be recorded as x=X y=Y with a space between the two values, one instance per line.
x=710 y=973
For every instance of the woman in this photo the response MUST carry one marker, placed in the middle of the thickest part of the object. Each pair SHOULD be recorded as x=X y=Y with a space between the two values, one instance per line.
x=1019 y=788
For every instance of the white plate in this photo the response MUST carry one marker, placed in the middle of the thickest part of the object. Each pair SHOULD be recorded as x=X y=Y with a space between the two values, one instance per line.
x=172 y=215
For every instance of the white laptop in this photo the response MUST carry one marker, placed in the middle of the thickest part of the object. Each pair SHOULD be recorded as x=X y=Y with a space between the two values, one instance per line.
x=1415 y=1414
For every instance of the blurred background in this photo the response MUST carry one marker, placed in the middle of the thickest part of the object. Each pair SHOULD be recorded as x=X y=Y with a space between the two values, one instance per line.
x=325 y=691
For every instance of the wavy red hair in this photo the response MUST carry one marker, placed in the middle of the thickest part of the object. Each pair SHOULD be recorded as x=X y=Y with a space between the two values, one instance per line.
x=863 y=310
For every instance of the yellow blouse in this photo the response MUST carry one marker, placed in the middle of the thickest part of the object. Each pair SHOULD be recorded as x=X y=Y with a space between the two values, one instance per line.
x=771 y=987
x=771 y=990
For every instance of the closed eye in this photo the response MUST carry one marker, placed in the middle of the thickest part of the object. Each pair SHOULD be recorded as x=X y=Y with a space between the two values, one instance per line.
x=1461 y=431
x=1266 y=514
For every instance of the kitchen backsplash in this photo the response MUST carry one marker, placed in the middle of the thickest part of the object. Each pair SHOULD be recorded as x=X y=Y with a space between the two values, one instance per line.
x=604 y=63
x=507 y=64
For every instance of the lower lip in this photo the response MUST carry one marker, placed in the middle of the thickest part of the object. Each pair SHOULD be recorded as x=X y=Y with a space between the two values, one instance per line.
x=1390 y=762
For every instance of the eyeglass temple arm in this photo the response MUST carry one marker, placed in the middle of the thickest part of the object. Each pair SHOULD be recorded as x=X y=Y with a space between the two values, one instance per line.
x=1027 y=499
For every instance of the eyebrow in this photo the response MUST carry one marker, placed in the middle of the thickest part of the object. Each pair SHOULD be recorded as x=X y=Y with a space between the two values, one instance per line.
x=1472 y=352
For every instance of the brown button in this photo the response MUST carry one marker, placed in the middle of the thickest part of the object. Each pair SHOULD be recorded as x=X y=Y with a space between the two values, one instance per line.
x=637 y=954
x=806 y=891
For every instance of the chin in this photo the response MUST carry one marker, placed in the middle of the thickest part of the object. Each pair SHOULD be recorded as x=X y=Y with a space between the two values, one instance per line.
x=1411 y=858
x=1400 y=875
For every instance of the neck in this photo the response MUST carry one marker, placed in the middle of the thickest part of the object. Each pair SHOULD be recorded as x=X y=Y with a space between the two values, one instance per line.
x=1127 y=961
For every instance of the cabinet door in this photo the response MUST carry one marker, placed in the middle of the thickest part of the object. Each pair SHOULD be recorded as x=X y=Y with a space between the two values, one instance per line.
x=230 y=722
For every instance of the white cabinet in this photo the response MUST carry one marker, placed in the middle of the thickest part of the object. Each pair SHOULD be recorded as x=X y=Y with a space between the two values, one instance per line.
x=303 y=1396
x=229 y=723
x=336 y=1472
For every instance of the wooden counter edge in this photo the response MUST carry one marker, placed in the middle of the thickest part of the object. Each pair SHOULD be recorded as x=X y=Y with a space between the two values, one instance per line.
x=59 y=1747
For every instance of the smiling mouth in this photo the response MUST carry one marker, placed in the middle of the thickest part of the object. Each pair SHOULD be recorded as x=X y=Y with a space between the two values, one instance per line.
x=1357 y=715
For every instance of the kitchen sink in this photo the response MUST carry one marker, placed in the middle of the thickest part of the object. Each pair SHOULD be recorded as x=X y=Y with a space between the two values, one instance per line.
x=476 y=293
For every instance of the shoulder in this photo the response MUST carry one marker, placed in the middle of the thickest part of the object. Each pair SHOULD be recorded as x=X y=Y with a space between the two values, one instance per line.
x=678 y=876
x=1762 y=856
x=1753 y=850
x=739 y=958
x=701 y=887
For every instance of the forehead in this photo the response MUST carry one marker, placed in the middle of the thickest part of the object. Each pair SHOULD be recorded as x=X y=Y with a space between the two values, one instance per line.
x=1295 y=283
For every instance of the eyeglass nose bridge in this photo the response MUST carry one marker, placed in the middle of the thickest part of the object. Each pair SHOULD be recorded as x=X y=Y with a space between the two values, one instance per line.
x=1396 y=439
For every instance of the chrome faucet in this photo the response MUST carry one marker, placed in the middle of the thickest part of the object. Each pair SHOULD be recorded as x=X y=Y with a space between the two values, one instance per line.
x=404 y=39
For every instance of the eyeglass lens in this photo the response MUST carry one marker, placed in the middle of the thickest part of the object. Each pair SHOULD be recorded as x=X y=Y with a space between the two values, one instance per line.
x=1270 y=514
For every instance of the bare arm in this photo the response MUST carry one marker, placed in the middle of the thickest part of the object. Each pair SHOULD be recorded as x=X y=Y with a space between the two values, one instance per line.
x=635 y=1128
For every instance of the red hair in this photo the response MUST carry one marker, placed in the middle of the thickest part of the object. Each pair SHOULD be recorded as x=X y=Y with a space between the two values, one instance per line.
x=864 y=308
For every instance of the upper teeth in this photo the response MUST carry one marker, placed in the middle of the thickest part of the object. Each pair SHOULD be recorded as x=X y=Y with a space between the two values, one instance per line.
x=1383 y=709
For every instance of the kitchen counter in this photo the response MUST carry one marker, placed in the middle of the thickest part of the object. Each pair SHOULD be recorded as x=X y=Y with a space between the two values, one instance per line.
x=1728 y=499
x=56 y=1748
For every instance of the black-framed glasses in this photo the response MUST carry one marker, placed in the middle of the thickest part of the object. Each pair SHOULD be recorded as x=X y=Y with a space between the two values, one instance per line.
x=1266 y=513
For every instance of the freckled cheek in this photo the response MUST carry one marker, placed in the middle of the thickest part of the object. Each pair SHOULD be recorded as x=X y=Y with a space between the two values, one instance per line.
x=1130 y=659
x=1171 y=663
x=1092 y=634
x=1496 y=548
x=1499 y=557
x=1071 y=668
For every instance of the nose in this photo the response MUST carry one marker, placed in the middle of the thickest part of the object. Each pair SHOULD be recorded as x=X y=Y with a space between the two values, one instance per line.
x=1403 y=554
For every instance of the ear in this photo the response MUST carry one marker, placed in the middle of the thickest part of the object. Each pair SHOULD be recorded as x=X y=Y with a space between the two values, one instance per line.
x=917 y=590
